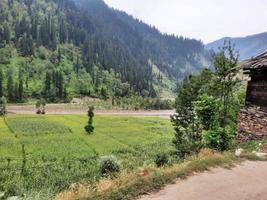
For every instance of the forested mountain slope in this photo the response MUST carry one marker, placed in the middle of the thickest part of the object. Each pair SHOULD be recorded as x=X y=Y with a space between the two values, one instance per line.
x=249 y=46
x=57 y=49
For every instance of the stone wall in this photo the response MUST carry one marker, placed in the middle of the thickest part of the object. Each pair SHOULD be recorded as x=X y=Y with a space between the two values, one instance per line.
x=252 y=124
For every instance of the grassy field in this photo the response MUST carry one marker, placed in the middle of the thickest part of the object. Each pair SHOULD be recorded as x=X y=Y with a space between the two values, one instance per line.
x=57 y=152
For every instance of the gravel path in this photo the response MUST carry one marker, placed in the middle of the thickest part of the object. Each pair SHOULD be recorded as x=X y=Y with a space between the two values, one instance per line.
x=247 y=181
x=73 y=109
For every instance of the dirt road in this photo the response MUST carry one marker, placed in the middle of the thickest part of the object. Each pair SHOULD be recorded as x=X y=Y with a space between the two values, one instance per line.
x=245 y=182
x=79 y=109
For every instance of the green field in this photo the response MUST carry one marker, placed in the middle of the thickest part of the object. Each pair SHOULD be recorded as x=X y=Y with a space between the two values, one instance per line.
x=59 y=153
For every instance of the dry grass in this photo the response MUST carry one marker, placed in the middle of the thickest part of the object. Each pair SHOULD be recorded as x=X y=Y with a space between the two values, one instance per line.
x=205 y=153
x=76 y=191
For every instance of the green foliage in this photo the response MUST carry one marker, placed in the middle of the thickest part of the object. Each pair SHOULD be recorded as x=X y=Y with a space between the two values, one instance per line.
x=3 y=103
x=187 y=139
x=89 y=128
x=207 y=106
x=162 y=159
x=104 y=93
x=219 y=138
x=109 y=165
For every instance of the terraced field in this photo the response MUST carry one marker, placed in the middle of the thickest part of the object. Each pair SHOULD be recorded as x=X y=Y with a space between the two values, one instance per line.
x=46 y=154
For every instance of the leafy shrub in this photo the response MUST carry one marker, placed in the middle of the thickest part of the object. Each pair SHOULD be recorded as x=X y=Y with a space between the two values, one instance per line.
x=218 y=138
x=187 y=140
x=206 y=108
x=162 y=159
x=109 y=165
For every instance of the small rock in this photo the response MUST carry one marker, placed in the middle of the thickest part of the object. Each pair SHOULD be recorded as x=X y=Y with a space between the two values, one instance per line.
x=260 y=154
x=238 y=152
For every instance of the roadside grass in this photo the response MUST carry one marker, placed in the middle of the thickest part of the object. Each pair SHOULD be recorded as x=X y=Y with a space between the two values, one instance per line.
x=250 y=148
x=148 y=179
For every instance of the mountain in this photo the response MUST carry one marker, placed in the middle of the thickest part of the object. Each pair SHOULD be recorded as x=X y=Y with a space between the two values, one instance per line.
x=57 y=49
x=249 y=46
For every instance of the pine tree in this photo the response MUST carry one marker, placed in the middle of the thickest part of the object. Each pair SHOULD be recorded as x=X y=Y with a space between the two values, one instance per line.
x=20 y=86
x=62 y=32
x=59 y=55
x=16 y=93
x=26 y=45
x=60 y=84
x=6 y=33
x=10 y=86
x=34 y=27
x=47 y=88
x=1 y=83
x=76 y=65
x=53 y=36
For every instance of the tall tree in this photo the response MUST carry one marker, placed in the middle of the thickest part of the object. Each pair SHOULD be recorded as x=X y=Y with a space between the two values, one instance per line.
x=6 y=33
x=187 y=139
x=1 y=83
x=20 y=86
x=48 y=80
x=63 y=31
x=225 y=63
x=10 y=86
x=76 y=65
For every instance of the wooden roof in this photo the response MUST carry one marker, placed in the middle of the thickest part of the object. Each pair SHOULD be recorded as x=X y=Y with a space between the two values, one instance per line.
x=258 y=62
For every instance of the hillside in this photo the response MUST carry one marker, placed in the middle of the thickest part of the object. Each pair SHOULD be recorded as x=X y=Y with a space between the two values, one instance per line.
x=249 y=46
x=57 y=49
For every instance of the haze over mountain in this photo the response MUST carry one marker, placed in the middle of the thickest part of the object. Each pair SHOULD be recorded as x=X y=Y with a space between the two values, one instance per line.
x=249 y=46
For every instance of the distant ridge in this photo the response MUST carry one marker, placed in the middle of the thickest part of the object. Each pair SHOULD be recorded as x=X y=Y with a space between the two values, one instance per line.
x=248 y=47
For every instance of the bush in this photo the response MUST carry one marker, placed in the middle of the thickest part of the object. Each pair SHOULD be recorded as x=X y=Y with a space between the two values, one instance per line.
x=109 y=165
x=42 y=53
x=162 y=159
x=89 y=128
x=3 y=103
x=218 y=138
x=40 y=107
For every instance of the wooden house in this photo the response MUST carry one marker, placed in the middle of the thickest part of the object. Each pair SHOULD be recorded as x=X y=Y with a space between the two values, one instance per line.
x=252 y=122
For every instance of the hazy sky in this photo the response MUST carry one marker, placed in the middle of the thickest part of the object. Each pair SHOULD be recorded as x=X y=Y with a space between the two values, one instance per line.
x=207 y=20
